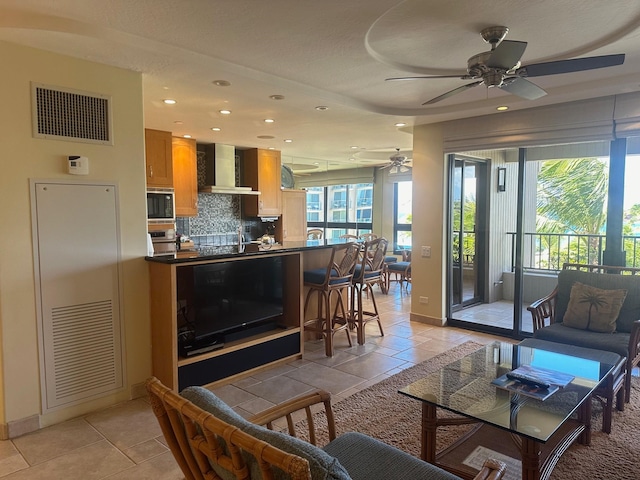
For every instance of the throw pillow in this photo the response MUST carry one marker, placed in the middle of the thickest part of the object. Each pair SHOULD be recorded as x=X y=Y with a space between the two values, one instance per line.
x=594 y=309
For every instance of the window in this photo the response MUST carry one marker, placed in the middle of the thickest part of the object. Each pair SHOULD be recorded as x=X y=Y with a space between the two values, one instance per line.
x=349 y=209
x=402 y=215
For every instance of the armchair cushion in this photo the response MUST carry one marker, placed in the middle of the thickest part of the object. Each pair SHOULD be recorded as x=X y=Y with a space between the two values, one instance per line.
x=367 y=458
x=322 y=465
x=592 y=308
x=617 y=342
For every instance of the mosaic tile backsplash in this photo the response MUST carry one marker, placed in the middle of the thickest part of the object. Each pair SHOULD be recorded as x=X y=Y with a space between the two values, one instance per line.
x=219 y=216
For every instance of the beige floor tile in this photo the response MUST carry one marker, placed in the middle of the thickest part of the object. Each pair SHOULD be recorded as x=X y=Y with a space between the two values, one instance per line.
x=162 y=467
x=127 y=424
x=50 y=442
x=325 y=378
x=232 y=395
x=279 y=389
x=93 y=462
x=145 y=450
x=12 y=463
x=368 y=366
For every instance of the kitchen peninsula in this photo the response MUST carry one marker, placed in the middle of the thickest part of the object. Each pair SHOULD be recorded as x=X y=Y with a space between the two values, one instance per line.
x=219 y=312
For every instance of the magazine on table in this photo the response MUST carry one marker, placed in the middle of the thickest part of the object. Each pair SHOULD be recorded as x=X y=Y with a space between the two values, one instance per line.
x=556 y=380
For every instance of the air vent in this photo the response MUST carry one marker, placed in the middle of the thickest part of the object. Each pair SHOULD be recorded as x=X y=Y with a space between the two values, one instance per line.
x=72 y=115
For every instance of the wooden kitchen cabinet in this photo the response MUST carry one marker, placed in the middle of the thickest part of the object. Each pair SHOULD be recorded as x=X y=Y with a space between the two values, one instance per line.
x=261 y=171
x=292 y=224
x=185 y=176
x=158 y=156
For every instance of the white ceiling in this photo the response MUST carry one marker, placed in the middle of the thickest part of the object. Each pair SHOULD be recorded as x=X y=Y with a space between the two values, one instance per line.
x=332 y=53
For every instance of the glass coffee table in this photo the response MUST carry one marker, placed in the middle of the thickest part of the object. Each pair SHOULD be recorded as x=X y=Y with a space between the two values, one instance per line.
x=534 y=432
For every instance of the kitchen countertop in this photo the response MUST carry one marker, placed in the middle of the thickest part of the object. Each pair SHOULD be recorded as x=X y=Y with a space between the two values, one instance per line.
x=232 y=251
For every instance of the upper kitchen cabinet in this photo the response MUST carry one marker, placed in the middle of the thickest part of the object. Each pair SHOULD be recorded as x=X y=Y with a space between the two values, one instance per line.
x=261 y=171
x=158 y=146
x=292 y=225
x=185 y=176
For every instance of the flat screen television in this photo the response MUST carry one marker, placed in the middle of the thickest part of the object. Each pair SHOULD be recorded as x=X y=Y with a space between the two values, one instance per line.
x=230 y=298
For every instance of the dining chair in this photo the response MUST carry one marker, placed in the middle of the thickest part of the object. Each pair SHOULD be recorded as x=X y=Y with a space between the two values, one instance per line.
x=401 y=270
x=314 y=234
x=348 y=236
x=367 y=273
x=367 y=237
x=331 y=285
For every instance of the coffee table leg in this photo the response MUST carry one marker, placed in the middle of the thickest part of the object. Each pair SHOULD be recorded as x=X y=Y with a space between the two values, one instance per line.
x=584 y=417
x=530 y=451
x=429 y=425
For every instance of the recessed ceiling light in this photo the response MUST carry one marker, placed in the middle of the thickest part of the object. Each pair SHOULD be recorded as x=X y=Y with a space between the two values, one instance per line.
x=225 y=112
x=502 y=108
x=178 y=122
x=288 y=140
x=269 y=120
x=322 y=108
x=221 y=83
x=316 y=163
x=354 y=147
x=276 y=97
x=187 y=136
x=400 y=124
x=352 y=159
x=271 y=148
x=169 y=101
x=266 y=137
x=216 y=129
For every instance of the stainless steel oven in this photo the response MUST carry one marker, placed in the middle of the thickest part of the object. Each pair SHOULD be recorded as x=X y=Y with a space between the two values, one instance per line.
x=161 y=205
x=164 y=242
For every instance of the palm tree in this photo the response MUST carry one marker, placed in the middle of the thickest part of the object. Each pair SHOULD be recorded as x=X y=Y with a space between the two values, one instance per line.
x=594 y=300
x=572 y=196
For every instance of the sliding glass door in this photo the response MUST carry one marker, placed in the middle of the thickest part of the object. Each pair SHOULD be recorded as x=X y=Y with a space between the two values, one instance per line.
x=513 y=227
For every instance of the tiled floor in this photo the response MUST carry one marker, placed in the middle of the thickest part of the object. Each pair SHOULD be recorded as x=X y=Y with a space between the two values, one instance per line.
x=124 y=441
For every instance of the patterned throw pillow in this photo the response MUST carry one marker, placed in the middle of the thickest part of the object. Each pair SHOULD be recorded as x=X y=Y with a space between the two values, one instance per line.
x=594 y=309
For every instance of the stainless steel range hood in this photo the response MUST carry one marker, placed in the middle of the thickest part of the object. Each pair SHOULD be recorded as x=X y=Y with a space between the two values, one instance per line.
x=220 y=171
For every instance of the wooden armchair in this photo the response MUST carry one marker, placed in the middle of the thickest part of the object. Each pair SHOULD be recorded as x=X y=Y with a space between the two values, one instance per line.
x=547 y=313
x=210 y=440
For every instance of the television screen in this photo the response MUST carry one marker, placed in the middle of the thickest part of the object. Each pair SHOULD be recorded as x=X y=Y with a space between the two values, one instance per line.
x=234 y=295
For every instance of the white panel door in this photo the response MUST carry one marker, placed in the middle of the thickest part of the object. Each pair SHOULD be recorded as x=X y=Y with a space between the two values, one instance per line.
x=77 y=253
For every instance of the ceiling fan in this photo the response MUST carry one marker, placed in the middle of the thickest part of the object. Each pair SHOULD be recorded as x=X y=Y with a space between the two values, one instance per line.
x=397 y=163
x=500 y=67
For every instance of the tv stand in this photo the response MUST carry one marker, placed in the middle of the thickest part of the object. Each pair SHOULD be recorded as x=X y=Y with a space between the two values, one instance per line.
x=236 y=352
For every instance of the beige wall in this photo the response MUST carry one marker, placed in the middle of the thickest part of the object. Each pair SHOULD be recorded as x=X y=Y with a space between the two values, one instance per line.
x=25 y=157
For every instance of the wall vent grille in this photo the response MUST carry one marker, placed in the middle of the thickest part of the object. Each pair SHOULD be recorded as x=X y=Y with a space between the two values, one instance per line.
x=84 y=352
x=71 y=115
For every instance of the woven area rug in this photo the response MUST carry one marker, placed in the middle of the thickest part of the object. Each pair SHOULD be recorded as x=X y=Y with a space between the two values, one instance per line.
x=381 y=412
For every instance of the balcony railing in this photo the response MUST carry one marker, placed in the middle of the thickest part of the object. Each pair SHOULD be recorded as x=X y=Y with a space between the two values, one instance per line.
x=549 y=251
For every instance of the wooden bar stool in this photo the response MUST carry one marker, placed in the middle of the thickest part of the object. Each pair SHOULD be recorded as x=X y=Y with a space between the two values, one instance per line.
x=330 y=284
x=368 y=272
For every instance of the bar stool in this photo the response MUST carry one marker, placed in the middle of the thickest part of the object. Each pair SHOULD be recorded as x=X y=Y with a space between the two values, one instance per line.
x=325 y=282
x=368 y=272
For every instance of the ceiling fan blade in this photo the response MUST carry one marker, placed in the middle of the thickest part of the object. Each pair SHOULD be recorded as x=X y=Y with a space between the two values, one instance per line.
x=507 y=54
x=419 y=78
x=451 y=93
x=523 y=88
x=572 y=65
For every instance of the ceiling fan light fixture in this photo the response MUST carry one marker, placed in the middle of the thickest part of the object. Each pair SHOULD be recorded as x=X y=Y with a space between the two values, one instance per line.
x=502 y=108
x=393 y=169
x=403 y=169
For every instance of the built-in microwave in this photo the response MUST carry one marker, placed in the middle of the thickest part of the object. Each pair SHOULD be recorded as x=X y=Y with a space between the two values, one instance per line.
x=161 y=205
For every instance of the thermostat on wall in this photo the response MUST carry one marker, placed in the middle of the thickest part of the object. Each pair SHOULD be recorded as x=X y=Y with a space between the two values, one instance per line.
x=78 y=165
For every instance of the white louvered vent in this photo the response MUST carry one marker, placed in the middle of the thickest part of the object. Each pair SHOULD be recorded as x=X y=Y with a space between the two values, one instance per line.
x=84 y=352
x=71 y=115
